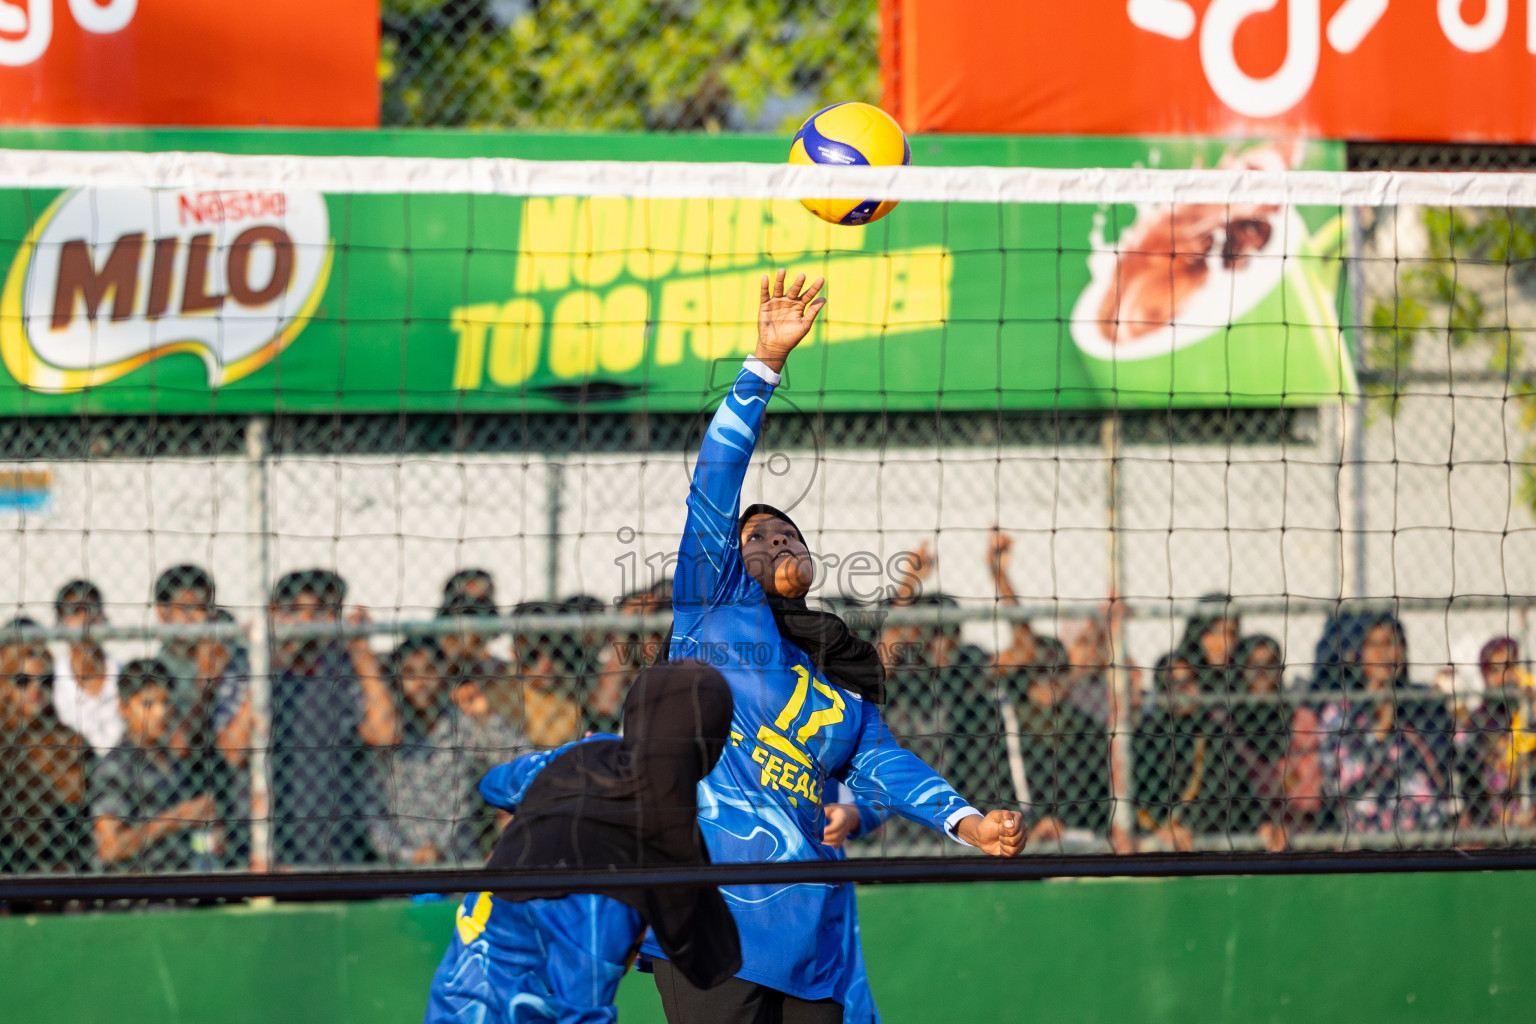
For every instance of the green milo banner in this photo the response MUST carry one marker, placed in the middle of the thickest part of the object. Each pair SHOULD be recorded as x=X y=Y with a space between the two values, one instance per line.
x=138 y=300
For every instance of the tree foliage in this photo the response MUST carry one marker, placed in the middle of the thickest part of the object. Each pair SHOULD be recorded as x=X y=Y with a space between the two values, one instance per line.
x=1477 y=258
x=633 y=65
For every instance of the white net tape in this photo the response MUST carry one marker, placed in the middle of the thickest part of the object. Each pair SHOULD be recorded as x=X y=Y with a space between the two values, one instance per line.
x=666 y=180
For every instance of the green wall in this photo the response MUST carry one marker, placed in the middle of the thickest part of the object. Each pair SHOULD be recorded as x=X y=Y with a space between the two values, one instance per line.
x=1249 y=951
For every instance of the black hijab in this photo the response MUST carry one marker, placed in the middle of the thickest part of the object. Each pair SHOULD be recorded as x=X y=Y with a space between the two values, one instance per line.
x=847 y=660
x=630 y=802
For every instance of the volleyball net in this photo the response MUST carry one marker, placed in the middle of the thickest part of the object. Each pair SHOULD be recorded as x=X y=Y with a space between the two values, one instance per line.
x=1190 y=509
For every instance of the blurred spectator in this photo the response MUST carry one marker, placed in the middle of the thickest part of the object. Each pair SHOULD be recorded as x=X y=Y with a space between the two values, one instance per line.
x=1499 y=662
x=184 y=596
x=13 y=649
x=1180 y=754
x=926 y=667
x=1378 y=753
x=219 y=667
x=619 y=660
x=466 y=655
x=1261 y=736
x=975 y=748
x=1060 y=760
x=149 y=813
x=548 y=662
x=200 y=709
x=971 y=711
x=85 y=679
x=1021 y=649
x=43 y=765
x=623 y=654
x=1495 y=741
x=1336 y=665
x=924 y=661
x=232 y=720
x=1091 y=657
x=474 y=584
x=1211 y=640
x=447 y=740
x=330 y=705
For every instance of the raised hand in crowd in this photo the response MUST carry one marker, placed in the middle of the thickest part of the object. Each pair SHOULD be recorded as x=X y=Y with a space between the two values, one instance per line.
x=1022 y=648
x=380 y=726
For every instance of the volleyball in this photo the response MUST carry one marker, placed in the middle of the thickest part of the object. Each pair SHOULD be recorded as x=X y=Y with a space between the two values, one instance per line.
x=850 y=133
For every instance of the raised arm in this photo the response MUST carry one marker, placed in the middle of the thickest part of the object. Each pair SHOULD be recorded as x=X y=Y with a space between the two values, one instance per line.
x=999 y=553
x=784 y=318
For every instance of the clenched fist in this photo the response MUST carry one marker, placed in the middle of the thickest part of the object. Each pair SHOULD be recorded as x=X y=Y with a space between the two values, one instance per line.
x=1000 y=833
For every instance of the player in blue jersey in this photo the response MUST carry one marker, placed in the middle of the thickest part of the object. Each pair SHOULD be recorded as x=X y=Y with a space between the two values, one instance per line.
x=851 y=819
x=599 y=802
x=805 y=691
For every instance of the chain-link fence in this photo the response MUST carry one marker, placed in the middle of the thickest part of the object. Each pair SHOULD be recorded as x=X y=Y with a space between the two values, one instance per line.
x=675 y=66
x=511 y=597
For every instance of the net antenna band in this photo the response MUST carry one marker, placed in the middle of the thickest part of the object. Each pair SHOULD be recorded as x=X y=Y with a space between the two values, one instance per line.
x=665 y=180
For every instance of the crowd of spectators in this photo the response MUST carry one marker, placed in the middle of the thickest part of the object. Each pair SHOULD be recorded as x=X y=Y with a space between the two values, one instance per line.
x=1222 y=750
x=372 y=758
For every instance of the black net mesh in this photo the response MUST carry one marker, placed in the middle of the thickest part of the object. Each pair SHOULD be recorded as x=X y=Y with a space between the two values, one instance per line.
x=297 y=640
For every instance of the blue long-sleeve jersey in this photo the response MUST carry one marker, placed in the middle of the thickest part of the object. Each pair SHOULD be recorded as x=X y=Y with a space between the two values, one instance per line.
x=857 y=999
x=555 y=960
x=791 y=732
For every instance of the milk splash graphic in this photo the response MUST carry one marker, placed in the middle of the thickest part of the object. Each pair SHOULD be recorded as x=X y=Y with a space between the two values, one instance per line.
x=1178 y=273
x=1225 y=297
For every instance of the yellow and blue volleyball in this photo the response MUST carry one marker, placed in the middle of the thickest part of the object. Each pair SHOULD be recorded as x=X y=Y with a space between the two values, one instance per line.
x=850 y=133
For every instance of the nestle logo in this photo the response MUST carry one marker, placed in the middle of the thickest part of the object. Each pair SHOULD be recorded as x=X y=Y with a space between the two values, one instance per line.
x=228 y=207
x=112 y=279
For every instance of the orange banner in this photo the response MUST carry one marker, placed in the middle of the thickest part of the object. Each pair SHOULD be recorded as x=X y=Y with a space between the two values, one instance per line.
x=1432 y=70
x=190 y=62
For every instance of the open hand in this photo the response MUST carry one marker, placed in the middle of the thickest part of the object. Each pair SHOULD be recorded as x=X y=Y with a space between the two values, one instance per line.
x=785 y=317
x=1000 y=833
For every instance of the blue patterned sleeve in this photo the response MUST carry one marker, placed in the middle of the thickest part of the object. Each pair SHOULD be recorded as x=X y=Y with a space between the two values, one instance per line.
x=871 y=816
x=711 y=549
x=504 y=785
x=892 y=780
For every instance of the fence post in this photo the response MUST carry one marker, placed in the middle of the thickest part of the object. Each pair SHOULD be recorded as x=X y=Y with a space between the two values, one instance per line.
x=1356 y=412
x=554 y=488
x=1123 y=820
x=259 y=511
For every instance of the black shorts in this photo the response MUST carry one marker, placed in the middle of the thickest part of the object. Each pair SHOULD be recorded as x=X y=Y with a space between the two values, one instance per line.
x=737 y=1002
